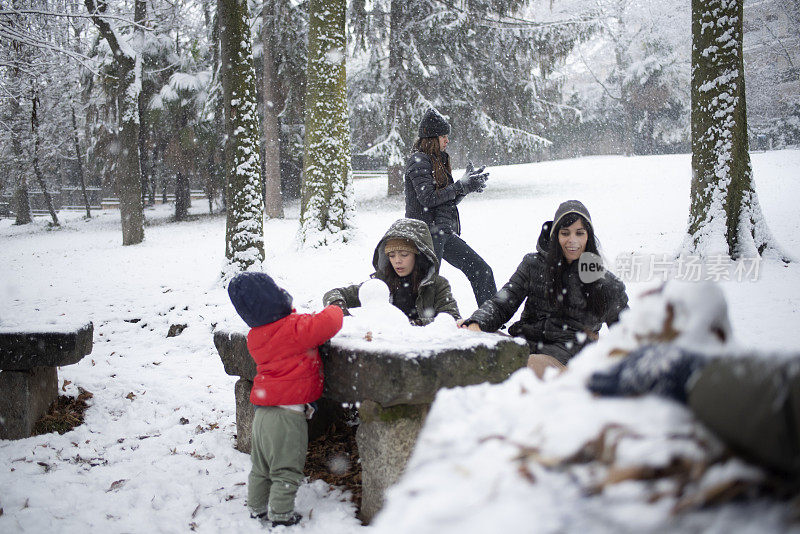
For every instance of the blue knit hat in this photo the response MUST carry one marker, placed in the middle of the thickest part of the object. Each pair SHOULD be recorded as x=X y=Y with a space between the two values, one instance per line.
x=258 y=299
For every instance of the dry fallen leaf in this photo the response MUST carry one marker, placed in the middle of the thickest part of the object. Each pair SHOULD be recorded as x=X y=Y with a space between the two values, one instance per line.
x=117 y=484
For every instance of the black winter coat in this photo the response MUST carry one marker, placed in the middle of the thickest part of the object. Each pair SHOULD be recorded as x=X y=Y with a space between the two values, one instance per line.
x=436 y=207
x=559 y=332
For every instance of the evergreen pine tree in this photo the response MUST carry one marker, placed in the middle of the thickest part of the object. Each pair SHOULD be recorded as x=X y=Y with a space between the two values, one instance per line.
x=488 y=70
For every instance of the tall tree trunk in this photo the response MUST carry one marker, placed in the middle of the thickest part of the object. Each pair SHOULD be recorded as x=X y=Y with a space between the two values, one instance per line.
x=181 y=196
x=327 y=198
x=151 y=187
x=129 y=176
x=79 y=160
x=36 y=169
x=21 y=202
x=140 y=17
x=217 y=154
x=244 y=236
x=725 y=216
x=128 y=173
x=272 y=125
x=209 y=179
x=623 y=62
x=395 y=181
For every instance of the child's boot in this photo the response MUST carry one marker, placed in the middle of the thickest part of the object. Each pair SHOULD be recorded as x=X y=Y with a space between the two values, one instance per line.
x=292 y=520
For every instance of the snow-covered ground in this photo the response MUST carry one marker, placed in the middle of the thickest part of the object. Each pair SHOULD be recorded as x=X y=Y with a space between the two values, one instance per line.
x=133 y=467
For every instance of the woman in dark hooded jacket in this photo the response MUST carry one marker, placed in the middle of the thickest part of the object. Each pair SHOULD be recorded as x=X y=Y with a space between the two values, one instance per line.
x=432 y=196
x=404 y=259
x=564 y=308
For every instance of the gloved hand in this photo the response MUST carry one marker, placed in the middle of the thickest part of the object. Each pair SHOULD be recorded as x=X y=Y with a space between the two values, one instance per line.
x=473 y=181
x=660 y=369
x=342 y=305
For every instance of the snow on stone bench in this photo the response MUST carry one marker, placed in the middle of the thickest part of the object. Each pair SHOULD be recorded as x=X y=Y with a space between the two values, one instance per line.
x=29 y=358
x=392 y=374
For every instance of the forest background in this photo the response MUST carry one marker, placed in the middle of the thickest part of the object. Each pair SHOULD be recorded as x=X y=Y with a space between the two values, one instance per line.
x=519 y=80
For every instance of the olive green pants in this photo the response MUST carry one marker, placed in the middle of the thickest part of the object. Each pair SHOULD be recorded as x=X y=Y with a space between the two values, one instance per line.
x=278 y=454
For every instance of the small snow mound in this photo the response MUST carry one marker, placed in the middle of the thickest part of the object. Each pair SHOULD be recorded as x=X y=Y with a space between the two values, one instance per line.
x=376 y=314
x=443 y=323
x=379 y=325
x=373 y=292
x=691 y=315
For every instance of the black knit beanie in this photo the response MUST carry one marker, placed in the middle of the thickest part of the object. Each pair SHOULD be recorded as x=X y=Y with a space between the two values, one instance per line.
x=258 y=299
x=433 y=124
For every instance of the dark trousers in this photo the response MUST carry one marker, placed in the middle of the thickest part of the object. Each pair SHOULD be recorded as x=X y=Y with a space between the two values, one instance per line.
x=457 y=253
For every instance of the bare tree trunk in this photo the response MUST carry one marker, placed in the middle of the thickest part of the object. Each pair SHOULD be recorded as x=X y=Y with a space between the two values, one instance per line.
x=209 y=179
x=271 y=123
x=21 y=202
x=151 y=186
x=128 y=174
x=181 y=196
x=216 y=156
x=36 y=169
x=140 y=16
x=244 y=235
x=79 y=160
x=395 y=179
x=623 y=62
x=327 y=204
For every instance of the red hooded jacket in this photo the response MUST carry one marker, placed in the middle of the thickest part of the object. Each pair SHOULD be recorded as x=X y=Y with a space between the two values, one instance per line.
x=289 y=369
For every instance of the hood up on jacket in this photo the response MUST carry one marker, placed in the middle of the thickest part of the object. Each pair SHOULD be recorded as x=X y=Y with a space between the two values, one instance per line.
x=418 y=232
x=543 y=243
x=565 y=208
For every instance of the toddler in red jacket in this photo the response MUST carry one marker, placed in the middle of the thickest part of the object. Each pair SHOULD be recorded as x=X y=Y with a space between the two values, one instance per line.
x=283 y=344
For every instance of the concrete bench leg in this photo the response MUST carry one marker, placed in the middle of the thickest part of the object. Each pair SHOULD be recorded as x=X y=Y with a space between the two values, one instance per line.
x=385 y=437
x=25 y=396
x=244 y=415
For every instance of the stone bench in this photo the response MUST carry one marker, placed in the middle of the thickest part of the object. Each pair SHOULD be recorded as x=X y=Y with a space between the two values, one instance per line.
x=29 y=359
x=392 y=388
